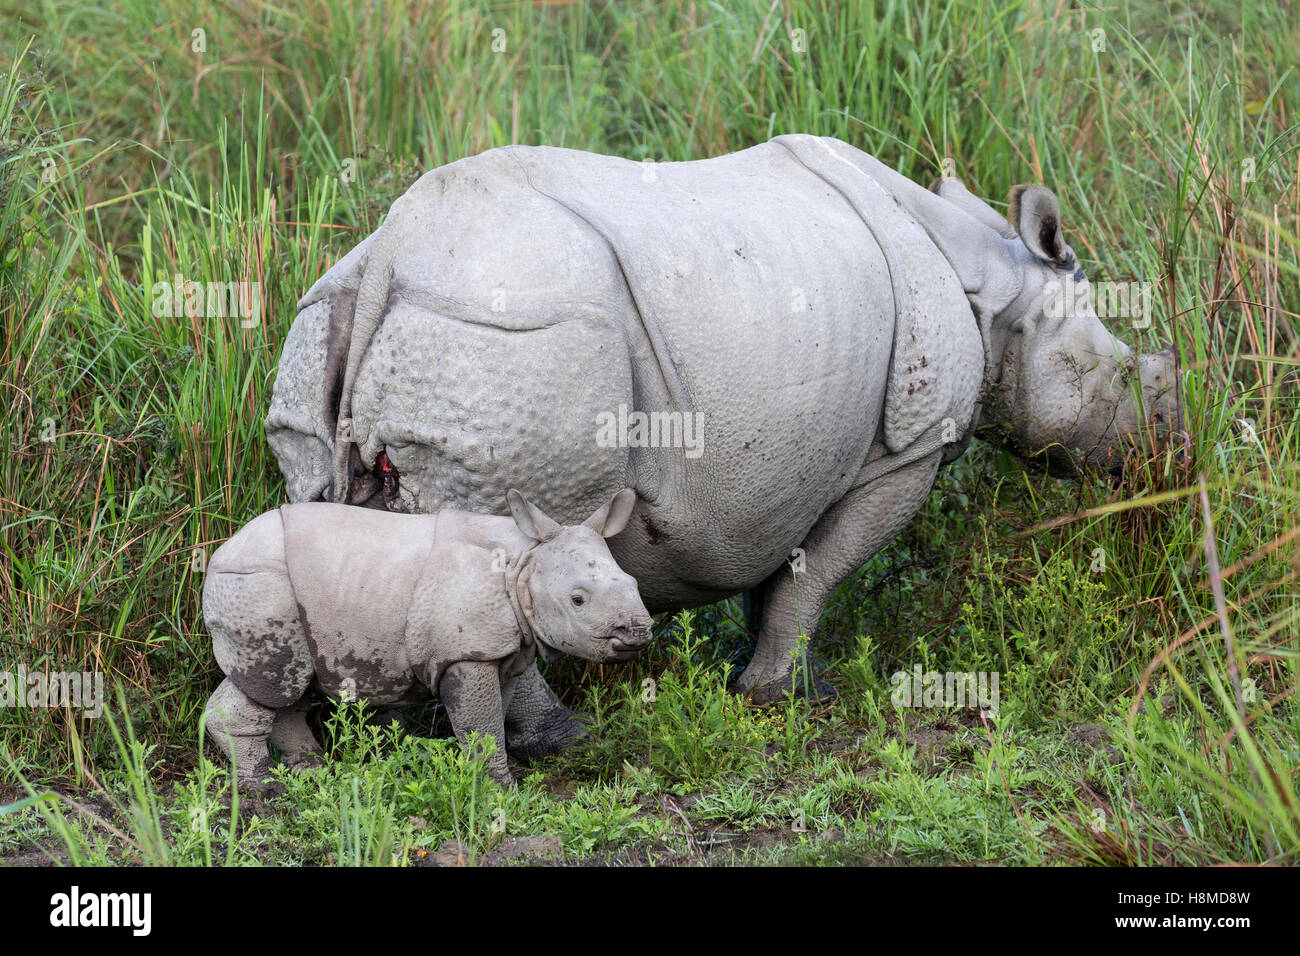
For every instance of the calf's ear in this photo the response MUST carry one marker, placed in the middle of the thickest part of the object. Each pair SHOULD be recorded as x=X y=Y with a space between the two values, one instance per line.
x=612 y=518
x=1036 y=216
x=530 y=519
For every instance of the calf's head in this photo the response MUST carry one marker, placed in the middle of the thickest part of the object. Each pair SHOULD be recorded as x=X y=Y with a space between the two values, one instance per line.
x=578 y=600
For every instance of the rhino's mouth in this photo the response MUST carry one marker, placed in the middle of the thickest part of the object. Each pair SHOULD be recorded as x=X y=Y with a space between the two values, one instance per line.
x=617 y=645
x=627 y=641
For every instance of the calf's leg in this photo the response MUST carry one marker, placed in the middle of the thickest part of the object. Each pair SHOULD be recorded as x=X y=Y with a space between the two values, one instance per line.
x=537 y=724
x=240 y=727
x=290 y=735
x=471 y=692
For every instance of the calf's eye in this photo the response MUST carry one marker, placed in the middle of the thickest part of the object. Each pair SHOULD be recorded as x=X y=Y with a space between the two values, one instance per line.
x=578 y=600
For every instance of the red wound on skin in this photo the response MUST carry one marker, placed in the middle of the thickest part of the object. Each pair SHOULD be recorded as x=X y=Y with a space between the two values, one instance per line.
x=389 y=477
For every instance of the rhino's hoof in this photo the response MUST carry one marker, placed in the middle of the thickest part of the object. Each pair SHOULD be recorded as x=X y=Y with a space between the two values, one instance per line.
x=503 y=778
x=565 y=730
x=309 y=761
x=261 y=787
x=561 y=729
x=820 y=692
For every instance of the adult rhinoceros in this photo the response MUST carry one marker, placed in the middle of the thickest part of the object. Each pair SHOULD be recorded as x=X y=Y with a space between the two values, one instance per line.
x=834 y=328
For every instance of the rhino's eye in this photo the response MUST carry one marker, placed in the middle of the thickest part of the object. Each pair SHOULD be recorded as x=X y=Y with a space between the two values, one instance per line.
x=578 y=600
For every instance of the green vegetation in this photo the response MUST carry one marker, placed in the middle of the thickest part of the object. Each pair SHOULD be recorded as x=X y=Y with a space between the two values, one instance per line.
x=133 y=444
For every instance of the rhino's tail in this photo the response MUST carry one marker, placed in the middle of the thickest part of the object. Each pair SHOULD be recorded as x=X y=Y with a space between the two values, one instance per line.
x=371 y=303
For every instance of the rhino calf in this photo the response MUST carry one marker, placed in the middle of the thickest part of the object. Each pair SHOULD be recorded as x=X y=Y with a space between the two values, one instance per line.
x=393 y=608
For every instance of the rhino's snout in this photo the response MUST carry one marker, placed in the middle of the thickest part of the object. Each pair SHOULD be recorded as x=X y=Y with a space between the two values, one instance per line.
x=1144 y=424
x=630 y=633
x=1161 y=380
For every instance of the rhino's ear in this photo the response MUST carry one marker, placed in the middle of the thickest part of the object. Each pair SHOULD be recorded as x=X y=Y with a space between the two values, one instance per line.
x=612 y=518
x=530 y=519
x=1036 y=216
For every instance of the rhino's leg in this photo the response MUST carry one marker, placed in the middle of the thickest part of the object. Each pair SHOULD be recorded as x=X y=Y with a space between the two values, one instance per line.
x=290 y=735
x=537 y=724
x=471 y=692
x=839 y=543
x=240 y=727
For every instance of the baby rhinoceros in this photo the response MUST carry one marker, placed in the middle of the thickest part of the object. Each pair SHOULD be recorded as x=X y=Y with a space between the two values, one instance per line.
x=390 y=608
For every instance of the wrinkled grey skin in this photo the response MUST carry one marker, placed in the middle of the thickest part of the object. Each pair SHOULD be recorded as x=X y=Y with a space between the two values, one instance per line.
x=361 y=604
x=841 y=330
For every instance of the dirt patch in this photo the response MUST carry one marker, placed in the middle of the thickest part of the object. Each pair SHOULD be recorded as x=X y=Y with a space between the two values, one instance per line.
x=930 y=741
x=541 y=850
x=1094 y=738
